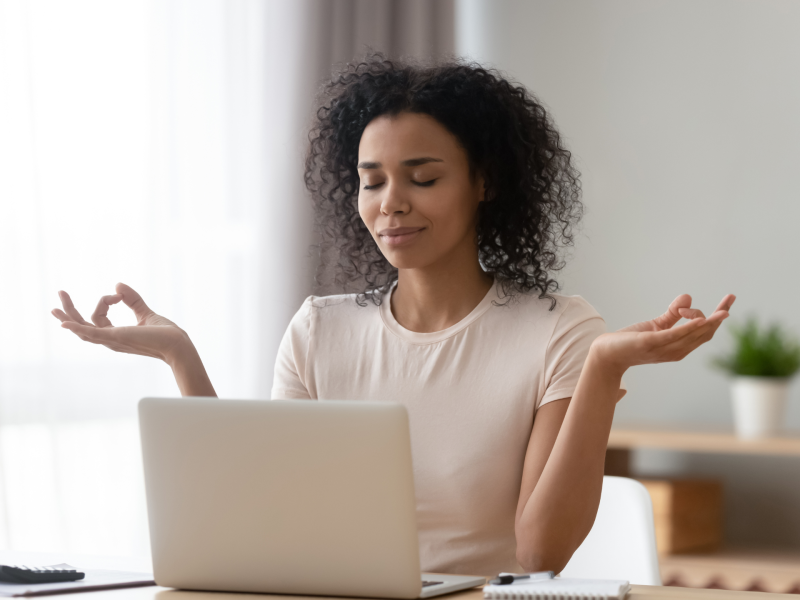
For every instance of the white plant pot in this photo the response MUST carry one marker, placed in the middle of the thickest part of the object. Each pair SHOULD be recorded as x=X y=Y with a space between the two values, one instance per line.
x=759 y=404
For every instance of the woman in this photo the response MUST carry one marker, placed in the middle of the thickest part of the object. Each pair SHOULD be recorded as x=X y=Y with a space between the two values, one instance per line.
x=446 y=192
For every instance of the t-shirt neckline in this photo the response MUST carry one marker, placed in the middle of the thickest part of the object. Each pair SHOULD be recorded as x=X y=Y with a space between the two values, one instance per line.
x=433 y=337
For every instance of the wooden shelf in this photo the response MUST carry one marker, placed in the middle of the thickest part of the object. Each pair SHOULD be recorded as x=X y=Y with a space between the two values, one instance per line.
x=735 y=569
x=631 y=438
x=731 y=569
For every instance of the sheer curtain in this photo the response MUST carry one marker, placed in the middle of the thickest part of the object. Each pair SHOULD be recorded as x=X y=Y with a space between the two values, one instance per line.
x=157 y=143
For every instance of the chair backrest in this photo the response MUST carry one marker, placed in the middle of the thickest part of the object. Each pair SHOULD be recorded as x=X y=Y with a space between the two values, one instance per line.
x=622 y=542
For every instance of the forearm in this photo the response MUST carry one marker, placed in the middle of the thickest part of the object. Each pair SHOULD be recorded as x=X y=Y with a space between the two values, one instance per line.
x=190 y=374
x=560 y=511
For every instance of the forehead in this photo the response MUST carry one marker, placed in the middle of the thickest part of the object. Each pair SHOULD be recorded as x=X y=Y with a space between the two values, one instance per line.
x=407 y=135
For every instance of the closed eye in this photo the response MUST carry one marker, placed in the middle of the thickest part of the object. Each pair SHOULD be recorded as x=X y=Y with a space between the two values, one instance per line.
x=419 y=183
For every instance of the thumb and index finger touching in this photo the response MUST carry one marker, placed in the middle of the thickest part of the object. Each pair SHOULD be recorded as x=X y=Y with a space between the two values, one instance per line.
x=673 y=314
x=71 y=319
x=134 y=301
x=681 y=307
x=720 y=313
x=697 y=327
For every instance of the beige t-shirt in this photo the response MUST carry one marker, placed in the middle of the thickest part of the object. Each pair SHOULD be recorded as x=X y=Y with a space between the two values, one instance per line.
x=471 y=392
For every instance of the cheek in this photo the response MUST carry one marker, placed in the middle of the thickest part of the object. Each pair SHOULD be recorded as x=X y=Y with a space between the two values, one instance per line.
x=452 y=210
x=365 y=212
x=369 y=210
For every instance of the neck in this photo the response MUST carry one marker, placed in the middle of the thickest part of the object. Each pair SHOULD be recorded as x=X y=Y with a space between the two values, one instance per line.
x=438 y=296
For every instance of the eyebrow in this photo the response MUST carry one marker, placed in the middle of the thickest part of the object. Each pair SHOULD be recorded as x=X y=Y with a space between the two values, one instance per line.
x=411 y=162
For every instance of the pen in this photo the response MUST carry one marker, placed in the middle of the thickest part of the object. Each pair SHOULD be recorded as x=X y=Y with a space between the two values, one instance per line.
x=507 y=578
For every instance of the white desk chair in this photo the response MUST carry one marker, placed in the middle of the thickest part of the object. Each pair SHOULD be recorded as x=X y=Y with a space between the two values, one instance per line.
x=622 y=542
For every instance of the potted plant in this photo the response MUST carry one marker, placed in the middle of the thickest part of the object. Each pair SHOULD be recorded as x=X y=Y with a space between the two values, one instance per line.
x=761 y=364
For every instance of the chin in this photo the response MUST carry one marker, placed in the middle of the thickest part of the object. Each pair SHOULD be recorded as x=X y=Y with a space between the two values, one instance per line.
x=407 y=258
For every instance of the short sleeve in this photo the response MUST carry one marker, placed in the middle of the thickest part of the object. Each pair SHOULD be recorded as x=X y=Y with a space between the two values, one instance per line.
x=289 y=380
x=577 y=327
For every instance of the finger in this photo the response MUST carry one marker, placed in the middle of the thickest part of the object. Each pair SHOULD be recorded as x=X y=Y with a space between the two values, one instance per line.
x=70 y=309
x=719 y=316
x=682 y=348
x=657 y=340
x=672 y=351
x=672 y=316
x=60 y=315
x=133 y=300
x=89 y=333
x=726 y=303
x=679 y=348
x=99 y=316
x=691 y=313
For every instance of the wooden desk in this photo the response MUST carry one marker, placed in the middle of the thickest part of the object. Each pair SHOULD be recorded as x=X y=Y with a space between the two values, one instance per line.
x=638 y=592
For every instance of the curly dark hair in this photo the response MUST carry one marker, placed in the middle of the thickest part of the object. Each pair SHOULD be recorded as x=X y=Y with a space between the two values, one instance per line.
x=532 y=188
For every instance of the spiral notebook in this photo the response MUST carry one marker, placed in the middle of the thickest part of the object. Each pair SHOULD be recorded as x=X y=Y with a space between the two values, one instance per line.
x=560 y=589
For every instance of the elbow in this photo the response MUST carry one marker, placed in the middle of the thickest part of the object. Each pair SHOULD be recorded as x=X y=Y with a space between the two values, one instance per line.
x=542 y=555
x=533 y=562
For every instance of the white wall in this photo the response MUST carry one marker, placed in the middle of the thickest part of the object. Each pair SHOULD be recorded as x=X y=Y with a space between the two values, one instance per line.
x=684 y=117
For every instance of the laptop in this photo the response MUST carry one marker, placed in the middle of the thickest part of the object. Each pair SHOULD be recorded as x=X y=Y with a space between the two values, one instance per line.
x=284 y=497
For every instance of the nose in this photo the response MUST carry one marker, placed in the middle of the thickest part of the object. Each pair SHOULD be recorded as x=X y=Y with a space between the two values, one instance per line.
x=394 y=201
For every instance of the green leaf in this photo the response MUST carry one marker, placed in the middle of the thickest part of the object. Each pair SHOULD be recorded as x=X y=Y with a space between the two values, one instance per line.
x=760 y=352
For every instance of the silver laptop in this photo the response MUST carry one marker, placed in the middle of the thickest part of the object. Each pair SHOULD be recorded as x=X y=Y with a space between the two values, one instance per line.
x=284 y=497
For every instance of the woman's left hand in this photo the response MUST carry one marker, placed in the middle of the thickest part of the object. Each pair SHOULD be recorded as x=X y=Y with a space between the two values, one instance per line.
x=657 y=340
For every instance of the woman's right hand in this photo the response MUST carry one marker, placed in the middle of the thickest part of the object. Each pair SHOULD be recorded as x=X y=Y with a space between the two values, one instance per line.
x=153 y=335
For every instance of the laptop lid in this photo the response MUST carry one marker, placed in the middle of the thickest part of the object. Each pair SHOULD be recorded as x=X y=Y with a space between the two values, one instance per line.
x=294 y=497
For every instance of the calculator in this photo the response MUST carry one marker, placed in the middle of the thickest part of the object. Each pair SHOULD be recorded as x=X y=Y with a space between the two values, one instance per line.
x=25 y=574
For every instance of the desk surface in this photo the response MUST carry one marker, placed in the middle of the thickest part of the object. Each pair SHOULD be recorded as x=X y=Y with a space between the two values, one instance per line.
x=701 y=441
x=638 y=592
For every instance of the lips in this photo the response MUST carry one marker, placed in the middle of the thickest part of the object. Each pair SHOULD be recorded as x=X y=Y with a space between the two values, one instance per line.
x=396 y=236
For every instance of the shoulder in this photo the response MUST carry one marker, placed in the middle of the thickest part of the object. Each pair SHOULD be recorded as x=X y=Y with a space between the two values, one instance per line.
x=553 y=319
x=575 y=308
x=336 y=303
x=341 y=308
x=575 y=319
x=557 y=308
